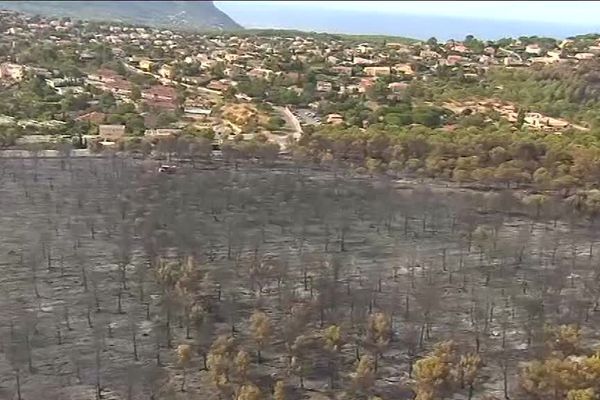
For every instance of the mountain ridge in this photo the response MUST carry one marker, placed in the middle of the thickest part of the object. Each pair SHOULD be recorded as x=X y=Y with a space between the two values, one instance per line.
x=164 y=14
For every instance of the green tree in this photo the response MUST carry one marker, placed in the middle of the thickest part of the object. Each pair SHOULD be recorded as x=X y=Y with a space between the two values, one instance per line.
x=136 y=93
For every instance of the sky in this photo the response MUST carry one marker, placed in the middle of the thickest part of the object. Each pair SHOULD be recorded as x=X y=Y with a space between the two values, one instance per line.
x=572 y=12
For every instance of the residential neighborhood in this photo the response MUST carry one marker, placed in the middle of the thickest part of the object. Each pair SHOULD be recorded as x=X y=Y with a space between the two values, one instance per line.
x=145 y=79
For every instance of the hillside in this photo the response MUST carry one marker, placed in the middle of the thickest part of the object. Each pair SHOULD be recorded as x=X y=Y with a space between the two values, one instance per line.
x=181 y=14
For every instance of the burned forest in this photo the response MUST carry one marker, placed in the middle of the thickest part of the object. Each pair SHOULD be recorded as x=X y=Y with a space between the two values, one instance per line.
x=122 y=283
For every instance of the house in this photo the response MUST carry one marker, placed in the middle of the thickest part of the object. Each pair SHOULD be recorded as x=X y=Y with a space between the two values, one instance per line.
x=335 y=119
x=160 y=96
x=323 y=86
x=364 y=48
x=162 y=133
x=109 y=80
x=362 y=61
x=394 y=45
x=566 y=43
x=197 y=112
x=398 y=87
x=533 y=49
x=513 y=62
x=104 y=75
x=454 y=60
x=349 y=89
x=159 y=92
x=333 y=60
x=485 y=59
x=86 y=56
x=111 y=133
x=557 y=123
x=119 y=87
x=218 y=86
x=15 y=72
x=428 y=54
x=146 y=64
x=544 y=60
x=167 y=71
x=62 y=82
x=584 y=56
x=63 y=90
x=195 y=80
x=298 y=90
x=41 y=72
x=405 y=69
x=293 y=76
x=460 y=48
x=233 y=71
x=490 y=51
x=555 y=53
x=377 y=71
x=365 y=84
x=94 y=117
x=342 y=70
x=260 y=73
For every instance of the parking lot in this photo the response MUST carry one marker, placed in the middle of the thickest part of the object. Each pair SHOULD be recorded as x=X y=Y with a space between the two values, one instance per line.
x=307 y=116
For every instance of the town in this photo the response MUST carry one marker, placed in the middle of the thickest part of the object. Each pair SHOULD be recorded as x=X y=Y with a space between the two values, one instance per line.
x=114 y=86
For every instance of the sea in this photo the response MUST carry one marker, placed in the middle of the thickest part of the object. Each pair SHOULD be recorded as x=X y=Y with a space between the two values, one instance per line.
x=420 y=27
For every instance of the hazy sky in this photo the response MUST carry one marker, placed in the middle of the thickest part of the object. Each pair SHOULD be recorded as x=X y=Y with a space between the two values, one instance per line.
x=571 y=12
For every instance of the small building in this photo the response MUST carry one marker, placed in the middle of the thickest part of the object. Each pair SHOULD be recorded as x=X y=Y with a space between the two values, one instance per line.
x=349 y=89
x=429 y=54
x=405 y=69
x=167 y=71
x=111 y=133
x=378 y=71
x=323 y=86
x=162 y=133
x=533 y=49
x=335 y=119
x=195 y=80
x=15 y=72
x=365 y=84
x=460 y=48
x=511 y=61
x=490 y=51
x=260 y=73
x=86 y=56
x=398 y=87
x=94 y=117
x=454 y=60
x=584 y=56
x=342 y=70
x=218 y=86
x=63 y=90
x=362 y=61
x=197 y=111
x=146 y=64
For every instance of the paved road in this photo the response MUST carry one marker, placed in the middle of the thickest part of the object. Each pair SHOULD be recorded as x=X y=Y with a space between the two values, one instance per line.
x=291 y=121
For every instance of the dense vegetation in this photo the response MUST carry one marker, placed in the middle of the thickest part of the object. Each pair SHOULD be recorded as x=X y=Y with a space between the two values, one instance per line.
x=491 y=156
x=559 y=91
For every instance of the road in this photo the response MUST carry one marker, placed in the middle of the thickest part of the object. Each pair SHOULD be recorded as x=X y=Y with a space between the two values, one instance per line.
x=291 y=121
